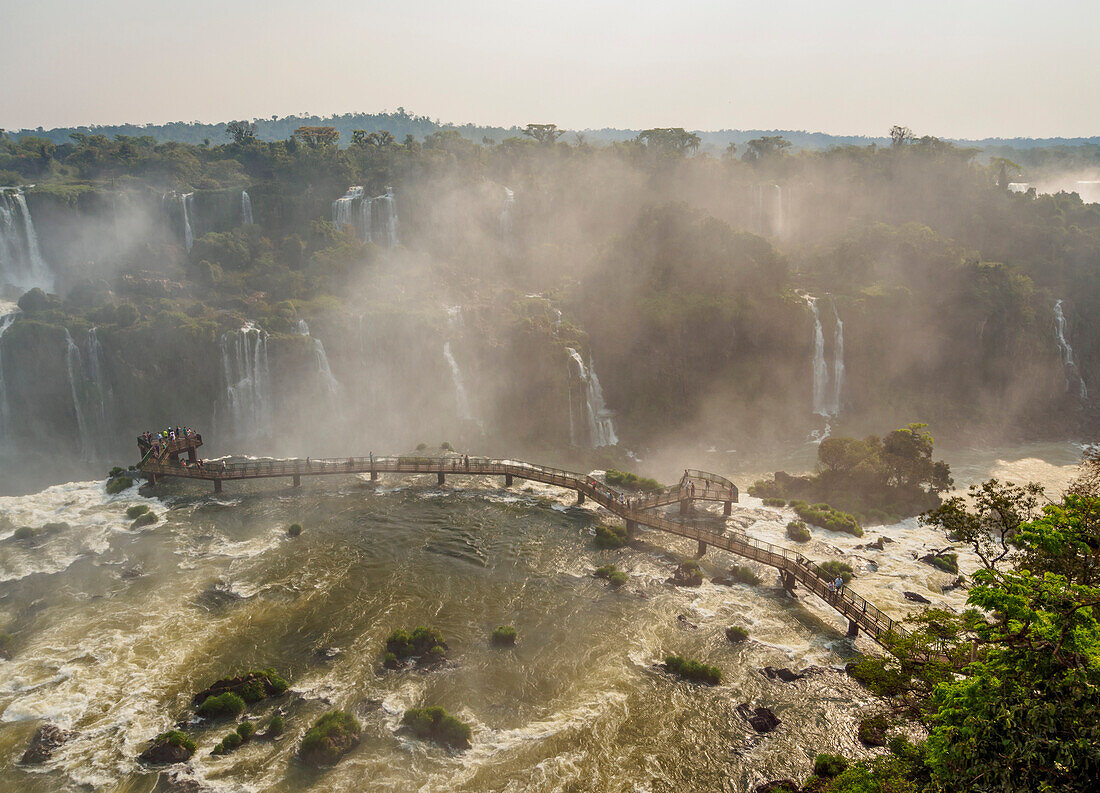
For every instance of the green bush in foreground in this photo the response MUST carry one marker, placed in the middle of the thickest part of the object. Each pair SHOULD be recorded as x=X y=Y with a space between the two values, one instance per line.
x=772 y=501
x=504 y=636
x=276 y=726
x=294 y=529
x=436 y=725
x=629 y=481
x=617 y=579
x=136 y=511
x=693 y=670
x=144 y=519
x=829 y=765
x=609 y=537
x=222 y=706
x=827 y=518
x=246 y=730
x=828 y=571
x=118 y=484
x=797 y=531
x=331 y=736
x=874 y=674
x=736 y=634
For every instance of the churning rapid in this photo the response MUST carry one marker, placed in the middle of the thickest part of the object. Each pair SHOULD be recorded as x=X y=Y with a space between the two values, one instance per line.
x=119 y=627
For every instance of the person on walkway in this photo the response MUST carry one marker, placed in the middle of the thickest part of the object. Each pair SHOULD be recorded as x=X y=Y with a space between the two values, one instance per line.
x=838 y=584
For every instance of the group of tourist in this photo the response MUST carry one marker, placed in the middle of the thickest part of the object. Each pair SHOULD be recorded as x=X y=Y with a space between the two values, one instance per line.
x=158 y=443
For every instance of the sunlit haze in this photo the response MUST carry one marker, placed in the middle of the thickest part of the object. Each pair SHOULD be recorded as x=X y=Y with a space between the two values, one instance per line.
x=954 y=69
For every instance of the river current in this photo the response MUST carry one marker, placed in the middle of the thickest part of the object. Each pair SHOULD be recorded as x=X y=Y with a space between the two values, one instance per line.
x=116 y=628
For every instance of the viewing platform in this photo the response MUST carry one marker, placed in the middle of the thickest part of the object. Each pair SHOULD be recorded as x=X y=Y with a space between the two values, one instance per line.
x=635 y=509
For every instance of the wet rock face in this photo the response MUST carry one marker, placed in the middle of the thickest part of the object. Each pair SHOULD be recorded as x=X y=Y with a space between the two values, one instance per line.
x=166 y=753
x=46 y=738
x=760 y=719
x=916 y=597
x=783 y=673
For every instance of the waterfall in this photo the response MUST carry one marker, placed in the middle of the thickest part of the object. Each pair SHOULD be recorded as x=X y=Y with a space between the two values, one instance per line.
x=387 y=217
x=820 y=368
x=6 y=322
x=341 y=207
x=91 y=393
x=247 y=381
x=838 y=362
x=462 y=398
x=506 y=214
x=1068 y=363
x=777 y=222
x=21 y=260
x=600 y=426
x=366 y=219
x=186 y=204
x=324 y=371
x=246 y=209
x=72 y=360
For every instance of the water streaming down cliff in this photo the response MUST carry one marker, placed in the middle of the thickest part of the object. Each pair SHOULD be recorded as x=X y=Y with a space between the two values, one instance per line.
x=506 y=214
x=21 y=262
x=1069 y=363
x=820 y=367
x=342 y=207
x=73 y=363
x=6 y=322
x=248 y=390
x=599 y=427
x=187 y=201
x=385 y=225
x=374 y=219
x=329 y=383
x=462 y=399
x=246 y=209
x=838 y=362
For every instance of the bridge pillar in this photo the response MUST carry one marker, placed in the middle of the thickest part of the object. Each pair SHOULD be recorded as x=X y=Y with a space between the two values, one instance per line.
x=297 y=480
x=441 y=477
x=152 y=479
x=686 y=506
x=631 y=529
x=788 y=581
x=217 y=485
x=702 y=550
x=727 y=509
x=191 y=456
x=853 y=629
x=580 y=497
x=507 y=480
x=374 y=476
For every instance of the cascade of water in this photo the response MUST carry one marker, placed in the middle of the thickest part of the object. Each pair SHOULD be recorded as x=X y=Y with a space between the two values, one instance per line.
x=387 y=217
x=1068 y=362
x=366 y=219
x=341 y=207
x=97 y=390
x=324 y=371
x=247 y=381
x=6 y=322
x=246 y=209
x=506 y=214
x=838 y=362
x=820 y=369
x=777 y=222
x=76 y=382
x=462 y=398
x=601 y=427
x=21 y=261
x=186 y=201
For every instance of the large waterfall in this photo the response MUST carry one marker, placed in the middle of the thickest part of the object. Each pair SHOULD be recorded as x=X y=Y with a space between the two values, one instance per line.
x=91 y=394
x=374 y=219
x=820 y=368
x=76 y=378
x=21 y=261
x=1073 y=374
x=600 y=428
x=6 y=322
x=506 y=214
x=247 y=381
x=324 y=372
x=462 y=398
x=246 y=209
x=187 y=201
x=838 y=362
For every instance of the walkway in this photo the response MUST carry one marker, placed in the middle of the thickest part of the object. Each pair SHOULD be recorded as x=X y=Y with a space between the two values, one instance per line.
x=636 y=509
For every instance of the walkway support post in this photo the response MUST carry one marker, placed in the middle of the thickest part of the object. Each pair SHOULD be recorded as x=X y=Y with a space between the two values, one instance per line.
x=631 y=529
x=507 y=480
x=580 y=497
x=297 y=480
x=727 y=509
x=217 y=485
x=374 y=476
x=441 y=477
x=853 y=629
x=686 y=506
x=702 y=550
x=788 y=581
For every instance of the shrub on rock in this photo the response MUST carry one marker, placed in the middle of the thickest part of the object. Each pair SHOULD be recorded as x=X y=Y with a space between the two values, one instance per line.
x=504 y=636
x=118 y=484
x=136 y=511
x=169 y=747
x=24 y=533
x=772 y=501
x=276 y=726
x=144 y=519
x=831 y=569
x=246 y=730
x=797 y=531
x=251 y=687
x=687 y=574
x=294 y=529
x=331 y=736
x=872 y=731
x=605 y=571
x=436 y=725
x=736 y=634
x=423 y=643
x=227 y=705
x=617 y=579
x=693 y=670
x=829 y=765
x=610 y=537
x=876 y=676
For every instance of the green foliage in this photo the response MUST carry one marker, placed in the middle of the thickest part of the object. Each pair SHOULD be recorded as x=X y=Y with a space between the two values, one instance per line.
x=446 y=446
x=693 y=670
x=246 y=729
x=227 y=705
x=772 y=501
x=605 y=571
x=610 y=537
x=144 y=519
x=294 y=529
x=426 y=643
x=230 y=742
x=436 y=725
x=829 y=765
x=331 y=736
x=743 y=574
x=116 y=471
x=136 y=511
x=504 y=636
x=118 y=484
x=23 y=533
x=872 y=731
x=828 y=571
x=736 y=634
x=175 y=738
x=276 y=726
x=617 y=579
x=797 y=531
x=630 y=481
x=421 y=446
x=877 y=675
x=948 y=562
x=827 y=518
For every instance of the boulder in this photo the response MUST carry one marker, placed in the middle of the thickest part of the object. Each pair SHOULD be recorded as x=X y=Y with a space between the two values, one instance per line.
x=165 y=750
x=760 y=719
x=877 y=545
x=683 y=620
x=916 y=597
x=687 y=574
x=46 y=738
x=782 y=673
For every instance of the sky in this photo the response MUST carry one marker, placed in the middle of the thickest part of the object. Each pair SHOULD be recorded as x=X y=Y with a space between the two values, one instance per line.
x=961 y=69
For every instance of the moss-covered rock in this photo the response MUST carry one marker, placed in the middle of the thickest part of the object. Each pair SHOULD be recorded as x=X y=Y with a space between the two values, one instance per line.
x=251 y=687
x=421 y=644
x=687 y=574
x=610 y=537
x=689 y=669
x=436 y=725
x=797 y=531
x=221 y=706
x=330 y=738
x=736 y=634
x=145 y=519
x=169 y=747
x=504 y=636
x=829 y=765
x=136 y=511
x=118 y=484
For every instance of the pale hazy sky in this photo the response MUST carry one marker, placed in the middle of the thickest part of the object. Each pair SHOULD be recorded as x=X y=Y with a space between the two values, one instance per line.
x=966 y=68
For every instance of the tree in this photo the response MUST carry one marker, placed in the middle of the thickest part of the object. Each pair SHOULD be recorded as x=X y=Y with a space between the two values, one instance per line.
x=242 y=132
x=900 y=136
x=317 y=137
x=546 y=134
x=764 y=148
x=670 y=140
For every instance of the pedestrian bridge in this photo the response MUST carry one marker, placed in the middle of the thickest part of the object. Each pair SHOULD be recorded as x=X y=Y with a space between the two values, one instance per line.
x=636 y=509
